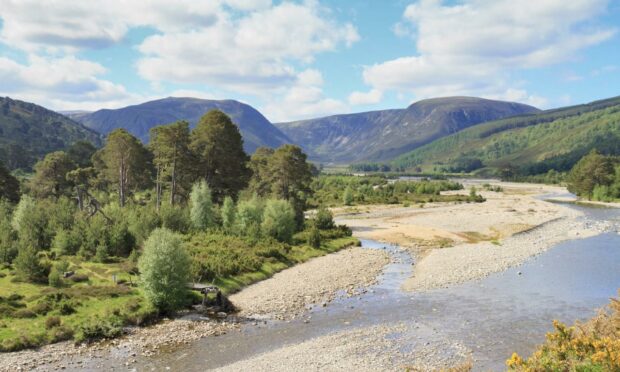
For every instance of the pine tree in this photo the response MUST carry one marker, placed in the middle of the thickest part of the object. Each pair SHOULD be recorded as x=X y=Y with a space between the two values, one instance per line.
x=124 y=162
x=172 y=158
x=9 y=185
x=50 y=175
x=592 y=170
x=222 y=162
x=28 y=265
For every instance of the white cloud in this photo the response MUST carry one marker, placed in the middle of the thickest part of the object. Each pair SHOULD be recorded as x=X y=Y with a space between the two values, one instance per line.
x=473 y=46
x=365 y=98
x=303 y=100
x=240 y=46
x=247 y=54
x=60 y=83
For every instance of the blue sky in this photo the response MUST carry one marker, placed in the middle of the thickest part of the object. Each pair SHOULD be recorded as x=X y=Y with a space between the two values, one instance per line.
x=300 y=59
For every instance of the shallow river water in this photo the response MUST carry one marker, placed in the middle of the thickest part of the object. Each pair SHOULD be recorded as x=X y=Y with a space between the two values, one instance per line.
x=495 y=316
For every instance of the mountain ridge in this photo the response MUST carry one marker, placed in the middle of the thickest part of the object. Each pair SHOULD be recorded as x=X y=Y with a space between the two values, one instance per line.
x=551 y=139
x=385 y=134
x=138 y=119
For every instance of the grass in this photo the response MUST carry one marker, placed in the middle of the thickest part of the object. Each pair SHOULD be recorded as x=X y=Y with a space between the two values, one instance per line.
x=75 y=305
x=298 y=254
x=99 y=307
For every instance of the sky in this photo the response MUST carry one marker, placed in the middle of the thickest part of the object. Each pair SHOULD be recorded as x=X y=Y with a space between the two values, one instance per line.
x=308 y=58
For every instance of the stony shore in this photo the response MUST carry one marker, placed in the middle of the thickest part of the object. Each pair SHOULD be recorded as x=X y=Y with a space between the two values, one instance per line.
x=316 y=282
x=376 y=348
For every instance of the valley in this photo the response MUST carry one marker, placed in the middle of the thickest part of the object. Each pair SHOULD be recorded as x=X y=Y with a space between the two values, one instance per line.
x=411 y=305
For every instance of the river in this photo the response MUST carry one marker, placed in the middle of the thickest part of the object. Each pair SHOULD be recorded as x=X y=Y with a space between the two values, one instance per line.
x=493 y=317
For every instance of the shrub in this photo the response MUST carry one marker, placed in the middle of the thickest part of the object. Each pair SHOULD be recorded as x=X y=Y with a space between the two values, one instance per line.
x=94 y=329
x=279 y=220
x=31 y=223
x=8 y=247
x=175 y=218
x=42 y=307
x=79 y=278
x=164 y=267
x=347 y=197
x=55 y=278
x=201 y=211
x=102 y=254
x=52 y=322
x=249 y=217
x=24 y=313
x=66 y=242
x=141 y=222
x=120 y=241
x=60 y=333
x=324 y=218
x=65 y=307
x=314 y=237
x=228 y=214
x=29 y=266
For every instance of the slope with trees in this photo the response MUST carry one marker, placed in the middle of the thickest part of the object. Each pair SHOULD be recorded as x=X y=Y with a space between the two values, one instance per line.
x=28 y=132
x=534 y=144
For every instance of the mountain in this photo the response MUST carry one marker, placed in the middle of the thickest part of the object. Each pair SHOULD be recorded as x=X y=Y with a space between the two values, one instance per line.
x=383 y=135
x=552 y=139
x=29 y=131
x=139 y=119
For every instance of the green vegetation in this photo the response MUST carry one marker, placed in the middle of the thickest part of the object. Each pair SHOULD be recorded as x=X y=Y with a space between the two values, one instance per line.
x=596 y=177
x=592 y=346
x=88 y=246
x=28 y=132
x=332 y=190
x=164 y=270
x=524 y=145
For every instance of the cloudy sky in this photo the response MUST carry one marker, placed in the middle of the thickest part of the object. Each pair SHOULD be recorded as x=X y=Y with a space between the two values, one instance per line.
x=299 y=59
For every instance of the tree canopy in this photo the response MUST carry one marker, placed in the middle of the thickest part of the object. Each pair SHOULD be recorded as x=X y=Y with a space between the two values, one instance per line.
x=50 y=175
x=172 y=158
x=9 y=185
x=592 y=170
x=222 y=162
x=124 y=162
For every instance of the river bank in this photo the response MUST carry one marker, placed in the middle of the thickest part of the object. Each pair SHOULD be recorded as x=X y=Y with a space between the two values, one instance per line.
x=458 y=242
x=284 y=296
x=317 y=282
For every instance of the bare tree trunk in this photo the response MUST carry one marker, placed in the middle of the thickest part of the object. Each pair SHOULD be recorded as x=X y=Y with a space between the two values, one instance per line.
x=121 y=188
x=158 y=188
x=173 y=186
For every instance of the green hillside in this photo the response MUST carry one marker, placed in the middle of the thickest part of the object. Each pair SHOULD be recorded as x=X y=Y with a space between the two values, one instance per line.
x=531 y=144
x=29 y=131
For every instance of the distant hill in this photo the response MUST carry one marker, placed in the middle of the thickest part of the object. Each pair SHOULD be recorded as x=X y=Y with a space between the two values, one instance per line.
x=29 y=131
x=384 y=135
x=139 y=119
x=553 y=139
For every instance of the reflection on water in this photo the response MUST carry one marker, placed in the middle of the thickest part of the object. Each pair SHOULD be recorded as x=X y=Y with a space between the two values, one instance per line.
x=505 y=312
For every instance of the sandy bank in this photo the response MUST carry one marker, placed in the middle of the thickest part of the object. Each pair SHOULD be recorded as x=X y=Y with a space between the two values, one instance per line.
x=455 y=243
x=317 y=281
